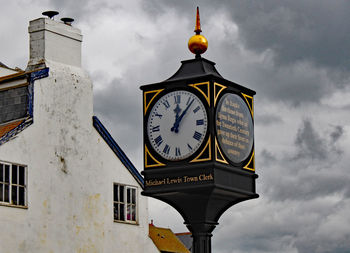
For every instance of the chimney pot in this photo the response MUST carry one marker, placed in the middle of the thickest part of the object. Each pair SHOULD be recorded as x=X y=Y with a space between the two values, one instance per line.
x=67 y=21
x=50 y=14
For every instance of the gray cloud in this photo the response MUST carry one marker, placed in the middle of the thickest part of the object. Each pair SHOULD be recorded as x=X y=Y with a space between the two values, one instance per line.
x=313 y=170
x=310 y=30
x=119 y=110
x=310 y=143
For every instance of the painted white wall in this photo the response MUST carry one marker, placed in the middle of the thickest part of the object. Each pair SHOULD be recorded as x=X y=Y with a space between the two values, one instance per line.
x=71 y=171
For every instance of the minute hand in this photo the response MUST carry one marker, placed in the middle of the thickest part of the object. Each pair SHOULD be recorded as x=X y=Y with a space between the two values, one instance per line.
x=177 y=121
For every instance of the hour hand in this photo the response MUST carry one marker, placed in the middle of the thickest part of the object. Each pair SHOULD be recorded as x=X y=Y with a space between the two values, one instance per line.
x=177 y=110
x=178 y=119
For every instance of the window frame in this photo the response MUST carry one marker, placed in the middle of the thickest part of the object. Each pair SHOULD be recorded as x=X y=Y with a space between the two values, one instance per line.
x=14 y=185
x=125 y=203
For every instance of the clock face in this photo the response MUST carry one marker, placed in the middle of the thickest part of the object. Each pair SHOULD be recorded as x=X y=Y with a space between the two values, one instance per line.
x=177 y=125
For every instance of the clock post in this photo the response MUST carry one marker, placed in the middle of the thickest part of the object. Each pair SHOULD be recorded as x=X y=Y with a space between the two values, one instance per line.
x=199 y=143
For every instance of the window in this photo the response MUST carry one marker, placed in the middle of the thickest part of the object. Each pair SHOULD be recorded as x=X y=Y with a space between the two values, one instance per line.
x=125 y=203
x=12 y=184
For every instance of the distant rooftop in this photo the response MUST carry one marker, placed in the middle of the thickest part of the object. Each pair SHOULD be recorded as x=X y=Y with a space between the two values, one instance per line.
x=165 y=240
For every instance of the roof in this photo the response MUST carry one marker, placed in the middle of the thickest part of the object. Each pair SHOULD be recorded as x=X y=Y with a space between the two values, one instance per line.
x=166 y=240
x=8 y=127
x=186 y=239
x=16 y=101
x=117 y=150
x=195 y=68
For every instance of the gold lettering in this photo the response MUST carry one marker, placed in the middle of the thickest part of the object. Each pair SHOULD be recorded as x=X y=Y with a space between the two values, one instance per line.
x=222 y=116
x=231 y=119
x=235 y=105
x=174 y=180
x=190 y=179
x=204 y=177
x=227 y=142
x=243 y=131
x=234 y=152
x=153 y=182
x=241 y=146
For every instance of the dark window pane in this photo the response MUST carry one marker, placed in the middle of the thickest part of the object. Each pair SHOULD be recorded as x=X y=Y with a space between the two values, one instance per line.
x=128 y=195
x=121 y=193
x=7 y=173
x=14 y=195
x=7 y=194
x=1 y=192
x=14 y=174
x=1 y=172
x=121 y=212
x=21 y=175
x=133 y=199
x=21 y=196
x=115 y=193
x=116 y=211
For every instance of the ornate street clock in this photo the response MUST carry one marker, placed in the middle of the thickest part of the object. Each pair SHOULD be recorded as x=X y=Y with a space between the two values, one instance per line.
x=199 y=143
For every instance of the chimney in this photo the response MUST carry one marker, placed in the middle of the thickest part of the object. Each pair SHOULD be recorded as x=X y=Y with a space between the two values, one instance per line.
x=51 y=40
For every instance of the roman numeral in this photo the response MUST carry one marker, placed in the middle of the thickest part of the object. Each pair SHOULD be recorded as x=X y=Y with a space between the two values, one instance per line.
x=166 y=149
x=177 y=99
x=196 y=109
x=189 y=146
x=200 y=122
x=189 y=101
x=177 y=151
x=166 y=104
x=158 y=140
x=155 y=129
x=197 y=135
x=158 y=115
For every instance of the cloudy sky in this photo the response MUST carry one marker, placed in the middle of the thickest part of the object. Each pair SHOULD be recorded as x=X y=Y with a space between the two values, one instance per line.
x=295 y=54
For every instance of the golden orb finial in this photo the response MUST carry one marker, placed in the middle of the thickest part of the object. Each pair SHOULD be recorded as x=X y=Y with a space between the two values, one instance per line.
x=198 y=44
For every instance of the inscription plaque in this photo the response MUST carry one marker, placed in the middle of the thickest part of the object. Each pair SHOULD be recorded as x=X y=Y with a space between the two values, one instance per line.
x=234 y=127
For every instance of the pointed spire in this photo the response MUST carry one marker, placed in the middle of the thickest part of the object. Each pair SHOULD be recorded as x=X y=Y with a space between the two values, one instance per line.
x=198 y=23
x=198 y=44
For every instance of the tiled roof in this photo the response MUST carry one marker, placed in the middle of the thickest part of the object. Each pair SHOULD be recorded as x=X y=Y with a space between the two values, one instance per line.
x=6 y=128
x=186 y=239
x=117 y=150
x=166 y=240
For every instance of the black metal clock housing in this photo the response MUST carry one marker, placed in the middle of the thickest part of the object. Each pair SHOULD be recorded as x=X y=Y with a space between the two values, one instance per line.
x=218 y=168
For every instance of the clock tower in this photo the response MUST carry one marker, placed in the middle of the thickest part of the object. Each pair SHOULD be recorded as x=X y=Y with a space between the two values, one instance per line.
x=199 y=143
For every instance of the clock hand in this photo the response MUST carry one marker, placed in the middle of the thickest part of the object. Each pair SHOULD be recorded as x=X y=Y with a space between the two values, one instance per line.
x=178 y=120
x=177 y=110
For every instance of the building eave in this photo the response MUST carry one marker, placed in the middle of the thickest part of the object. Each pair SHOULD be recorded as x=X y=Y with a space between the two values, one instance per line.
x=117 y=150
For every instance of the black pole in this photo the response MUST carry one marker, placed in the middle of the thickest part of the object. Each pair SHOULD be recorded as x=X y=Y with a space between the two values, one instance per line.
x=201 y=234
x=201 y=243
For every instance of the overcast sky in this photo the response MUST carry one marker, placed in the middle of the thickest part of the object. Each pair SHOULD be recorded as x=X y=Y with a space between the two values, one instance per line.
x=295 y=54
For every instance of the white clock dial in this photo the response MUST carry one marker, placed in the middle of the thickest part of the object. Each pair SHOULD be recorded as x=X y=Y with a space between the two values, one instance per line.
x=177 y=125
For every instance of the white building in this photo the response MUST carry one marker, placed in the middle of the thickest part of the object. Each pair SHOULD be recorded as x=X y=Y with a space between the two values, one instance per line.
x=65 y=185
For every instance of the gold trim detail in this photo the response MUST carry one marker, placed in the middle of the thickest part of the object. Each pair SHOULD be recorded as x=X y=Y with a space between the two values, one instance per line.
x=157 y=163
x=251 y=106
x=216 y=153
x=207 y=96
x=222 y=87
x=145 y=103
x=250 y=160
x=198 y=159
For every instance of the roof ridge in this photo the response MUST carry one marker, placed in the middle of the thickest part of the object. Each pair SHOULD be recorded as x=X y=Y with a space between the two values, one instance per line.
x=117 y=150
